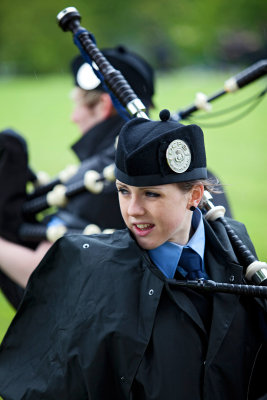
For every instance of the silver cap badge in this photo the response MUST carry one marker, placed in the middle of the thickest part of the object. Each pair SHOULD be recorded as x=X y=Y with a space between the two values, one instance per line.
x=178 y=156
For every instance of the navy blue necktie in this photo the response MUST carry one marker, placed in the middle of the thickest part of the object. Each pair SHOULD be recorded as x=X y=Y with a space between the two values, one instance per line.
x=191 y=262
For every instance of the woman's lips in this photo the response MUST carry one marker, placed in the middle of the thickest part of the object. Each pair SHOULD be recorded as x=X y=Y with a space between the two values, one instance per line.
x=143 y=229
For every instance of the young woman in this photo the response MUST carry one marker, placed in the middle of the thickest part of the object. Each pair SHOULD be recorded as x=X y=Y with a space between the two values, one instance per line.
x=102 y=317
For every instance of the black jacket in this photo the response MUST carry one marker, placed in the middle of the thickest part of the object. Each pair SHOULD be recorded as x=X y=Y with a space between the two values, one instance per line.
x=92 y=315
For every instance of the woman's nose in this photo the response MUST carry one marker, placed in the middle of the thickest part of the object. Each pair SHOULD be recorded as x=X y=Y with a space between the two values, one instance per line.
x=135 y=207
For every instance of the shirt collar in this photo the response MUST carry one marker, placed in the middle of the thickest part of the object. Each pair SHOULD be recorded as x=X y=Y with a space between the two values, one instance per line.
x=166 y=256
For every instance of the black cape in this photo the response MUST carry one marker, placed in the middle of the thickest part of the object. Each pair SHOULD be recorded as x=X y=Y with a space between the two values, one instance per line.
x=89 y=317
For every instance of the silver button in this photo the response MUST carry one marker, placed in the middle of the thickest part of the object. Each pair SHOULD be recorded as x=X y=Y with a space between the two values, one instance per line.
x=151 y=292
x=231 y=278
x=86 y=245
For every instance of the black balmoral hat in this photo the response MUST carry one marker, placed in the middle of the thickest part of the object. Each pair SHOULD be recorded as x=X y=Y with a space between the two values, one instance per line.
x=138 y=73
x=160 y=152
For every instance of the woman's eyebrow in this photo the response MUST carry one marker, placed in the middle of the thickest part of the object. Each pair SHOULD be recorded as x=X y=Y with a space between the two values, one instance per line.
x=151 y=188
x=121 y=184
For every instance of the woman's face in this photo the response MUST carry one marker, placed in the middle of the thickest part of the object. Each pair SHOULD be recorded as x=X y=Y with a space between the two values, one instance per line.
x=84 y=117
x=87 y=110
x=156 y=214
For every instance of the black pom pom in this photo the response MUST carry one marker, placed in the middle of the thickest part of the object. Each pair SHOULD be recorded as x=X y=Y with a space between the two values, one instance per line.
x=164 y=115
x=121 y=49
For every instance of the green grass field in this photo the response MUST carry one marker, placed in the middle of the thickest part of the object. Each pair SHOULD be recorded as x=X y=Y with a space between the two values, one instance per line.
x=39 y=108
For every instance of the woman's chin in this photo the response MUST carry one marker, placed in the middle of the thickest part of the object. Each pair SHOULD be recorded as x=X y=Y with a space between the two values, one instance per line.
x=147 y=243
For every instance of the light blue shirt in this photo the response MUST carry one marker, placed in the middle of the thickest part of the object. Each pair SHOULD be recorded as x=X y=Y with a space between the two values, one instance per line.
x=167 y=256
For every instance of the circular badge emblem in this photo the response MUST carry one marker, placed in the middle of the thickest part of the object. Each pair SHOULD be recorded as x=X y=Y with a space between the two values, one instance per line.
x=178 y=156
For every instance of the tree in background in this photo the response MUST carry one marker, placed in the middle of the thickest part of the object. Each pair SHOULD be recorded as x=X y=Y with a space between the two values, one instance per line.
x=170 y=33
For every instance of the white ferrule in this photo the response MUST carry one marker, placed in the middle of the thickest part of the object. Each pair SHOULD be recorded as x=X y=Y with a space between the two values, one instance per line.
x=215 y=213
x=201 y=102
x=231 y=85
x=90 y=182
x=55 y=232
x=91 y=229
x=67 y=173
x=57 y=197
x=254 y=267
x=109 y=173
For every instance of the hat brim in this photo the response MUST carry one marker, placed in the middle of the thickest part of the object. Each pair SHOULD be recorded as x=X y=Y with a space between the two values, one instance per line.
x=155 y=180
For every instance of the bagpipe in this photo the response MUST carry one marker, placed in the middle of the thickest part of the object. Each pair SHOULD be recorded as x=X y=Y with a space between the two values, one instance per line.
x=56 y=193
x=255 y=271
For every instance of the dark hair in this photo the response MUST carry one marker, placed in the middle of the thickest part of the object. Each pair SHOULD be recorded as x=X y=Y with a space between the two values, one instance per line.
x=212 y=185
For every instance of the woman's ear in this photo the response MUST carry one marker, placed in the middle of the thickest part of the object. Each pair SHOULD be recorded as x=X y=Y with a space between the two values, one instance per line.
x=196 y=195
x=106 y=105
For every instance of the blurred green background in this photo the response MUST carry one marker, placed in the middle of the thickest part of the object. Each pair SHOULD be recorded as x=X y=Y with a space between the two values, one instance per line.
x=194 y=46
x=169 y=32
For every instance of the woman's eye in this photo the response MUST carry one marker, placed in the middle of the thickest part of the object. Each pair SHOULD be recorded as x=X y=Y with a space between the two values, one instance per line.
x=122 y=191
x=152 y=194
